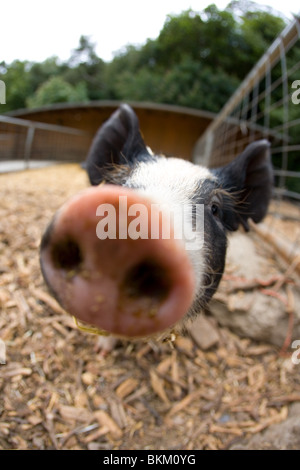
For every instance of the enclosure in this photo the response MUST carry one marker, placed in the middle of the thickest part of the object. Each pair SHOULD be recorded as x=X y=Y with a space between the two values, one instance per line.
x=234 y=383
x=65 y=132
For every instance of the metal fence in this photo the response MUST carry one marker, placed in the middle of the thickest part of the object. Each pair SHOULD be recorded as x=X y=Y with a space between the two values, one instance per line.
x=26 y=140
x=266 y=105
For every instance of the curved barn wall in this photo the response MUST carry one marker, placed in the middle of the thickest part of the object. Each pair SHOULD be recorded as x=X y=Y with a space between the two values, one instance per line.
x=171 y=130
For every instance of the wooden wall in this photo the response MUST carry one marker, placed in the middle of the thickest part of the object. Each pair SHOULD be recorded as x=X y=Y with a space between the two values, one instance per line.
x=170 y=130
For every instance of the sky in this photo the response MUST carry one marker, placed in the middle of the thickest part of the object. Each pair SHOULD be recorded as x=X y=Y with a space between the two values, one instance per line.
x=35 y=30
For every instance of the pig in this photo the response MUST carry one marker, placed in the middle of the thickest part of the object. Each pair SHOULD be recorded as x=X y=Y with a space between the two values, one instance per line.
x=145 y=287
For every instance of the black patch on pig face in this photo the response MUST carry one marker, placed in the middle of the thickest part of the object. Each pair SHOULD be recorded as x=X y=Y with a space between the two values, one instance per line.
x=218 y=205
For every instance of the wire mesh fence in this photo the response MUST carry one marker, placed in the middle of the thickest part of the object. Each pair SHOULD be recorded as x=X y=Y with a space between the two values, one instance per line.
x=266 y=105
x=25 y=140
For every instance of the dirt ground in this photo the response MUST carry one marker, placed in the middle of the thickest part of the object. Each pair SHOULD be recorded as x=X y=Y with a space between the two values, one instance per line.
x=58 y=392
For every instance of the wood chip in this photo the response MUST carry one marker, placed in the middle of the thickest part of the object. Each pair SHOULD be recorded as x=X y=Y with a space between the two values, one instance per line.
x=105 y=420
x=203 y=333
x=275 y=419
x=175 y=375
x=74 y=413
x=126 y=387
x=256 y=376
x=158 y=386
x=48 y=300
x=18 y=371
x=184 y=402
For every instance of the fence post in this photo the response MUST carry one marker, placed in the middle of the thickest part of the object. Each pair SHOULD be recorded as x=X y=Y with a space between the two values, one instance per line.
x=28 y=145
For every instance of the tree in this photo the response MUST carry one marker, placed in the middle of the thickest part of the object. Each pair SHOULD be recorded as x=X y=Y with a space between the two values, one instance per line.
x=85 y=66
x=17 y=80
x=84 y=53
x=57 y=90
x=197 y=60
x=259 y=29
x=40 y=72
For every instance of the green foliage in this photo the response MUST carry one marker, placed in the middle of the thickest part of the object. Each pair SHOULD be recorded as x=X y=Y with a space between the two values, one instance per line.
x=197 y=60
x=17 y=81
x=85 y=66
x=259 y=29
x=41 y=72
x=187 y=84
x=57 y=90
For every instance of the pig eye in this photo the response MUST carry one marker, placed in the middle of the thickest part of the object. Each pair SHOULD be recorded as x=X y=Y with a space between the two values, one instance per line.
x=214 y=209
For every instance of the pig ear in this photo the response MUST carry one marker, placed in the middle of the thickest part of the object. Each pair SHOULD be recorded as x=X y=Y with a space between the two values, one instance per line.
x=249 y=178
x=117 y=142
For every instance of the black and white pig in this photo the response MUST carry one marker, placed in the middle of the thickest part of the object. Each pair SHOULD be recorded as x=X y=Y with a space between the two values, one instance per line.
x=141 y=286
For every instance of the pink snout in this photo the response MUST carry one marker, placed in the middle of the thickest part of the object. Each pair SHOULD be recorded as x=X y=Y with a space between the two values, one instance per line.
x=104 y=275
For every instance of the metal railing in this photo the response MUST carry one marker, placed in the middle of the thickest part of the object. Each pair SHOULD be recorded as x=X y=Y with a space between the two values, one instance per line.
x=21 y=139
x=264 y=106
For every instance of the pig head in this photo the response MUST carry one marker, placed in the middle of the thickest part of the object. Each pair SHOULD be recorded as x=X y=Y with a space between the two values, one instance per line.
x=139 y=285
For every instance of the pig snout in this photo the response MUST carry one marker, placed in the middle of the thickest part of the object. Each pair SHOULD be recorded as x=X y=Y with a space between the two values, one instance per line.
x=126 y=285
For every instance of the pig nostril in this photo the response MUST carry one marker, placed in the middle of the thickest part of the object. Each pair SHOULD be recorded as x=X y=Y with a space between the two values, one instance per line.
x=147 y=279
x=66 y=254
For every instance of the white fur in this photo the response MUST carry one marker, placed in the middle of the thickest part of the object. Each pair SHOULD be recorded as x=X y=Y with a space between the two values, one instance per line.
x=173 y=182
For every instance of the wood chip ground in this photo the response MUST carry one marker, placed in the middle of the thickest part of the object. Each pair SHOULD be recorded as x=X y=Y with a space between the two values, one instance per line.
x=57 y=392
